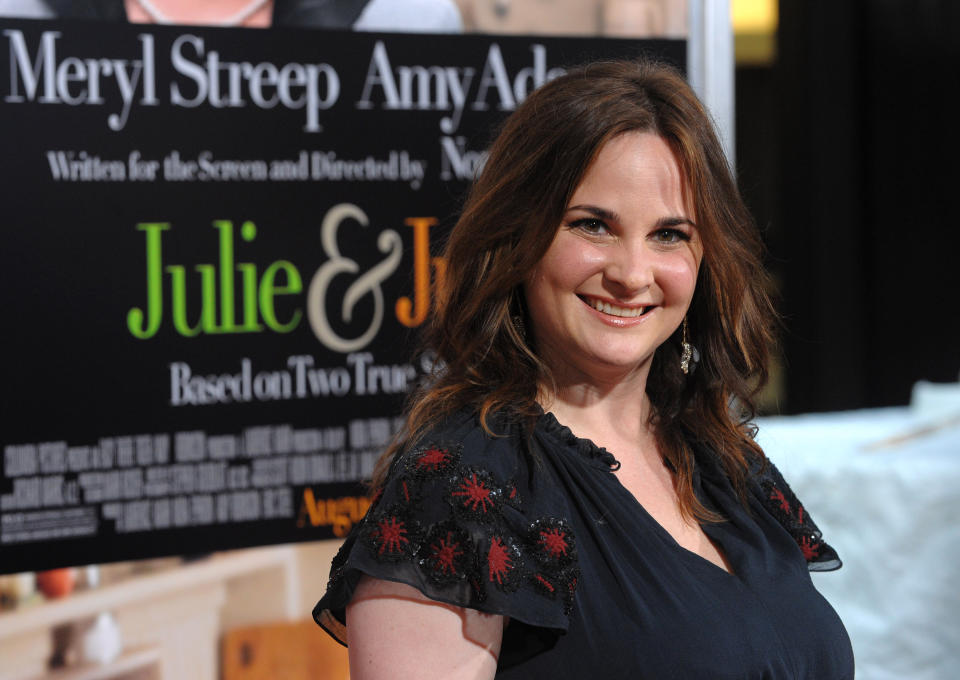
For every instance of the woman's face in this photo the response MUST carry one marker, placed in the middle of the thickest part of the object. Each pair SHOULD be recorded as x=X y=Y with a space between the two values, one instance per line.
x=618 y=278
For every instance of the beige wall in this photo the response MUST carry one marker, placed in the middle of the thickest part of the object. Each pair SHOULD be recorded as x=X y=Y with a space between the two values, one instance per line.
x=627 y=18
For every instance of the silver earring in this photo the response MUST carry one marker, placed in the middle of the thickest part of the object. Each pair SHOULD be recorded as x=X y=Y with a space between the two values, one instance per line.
x=687 y=351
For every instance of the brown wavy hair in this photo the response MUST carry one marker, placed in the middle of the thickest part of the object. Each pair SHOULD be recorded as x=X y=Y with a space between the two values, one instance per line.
x=510 y=218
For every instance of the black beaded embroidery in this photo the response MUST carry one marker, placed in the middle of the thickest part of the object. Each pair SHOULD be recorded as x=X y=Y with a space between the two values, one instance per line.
x=433 y=459
x=545 y=584
x=569 y=578
x=554 y=544
x=475 y=495
x=446 y=553
x=393 y=535
x=474 y=544
x=503 y=562
x=781 y=502
x=337 y=565
x=407 y=490
x=511 y=496
x=555 y=549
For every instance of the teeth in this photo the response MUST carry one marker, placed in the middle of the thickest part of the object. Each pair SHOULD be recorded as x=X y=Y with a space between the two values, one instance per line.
x=613 y=310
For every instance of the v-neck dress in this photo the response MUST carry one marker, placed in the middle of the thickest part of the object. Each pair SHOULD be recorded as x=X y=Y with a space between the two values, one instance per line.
x=539 y=529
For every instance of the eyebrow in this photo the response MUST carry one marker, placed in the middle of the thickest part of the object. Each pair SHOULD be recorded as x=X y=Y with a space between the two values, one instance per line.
x=604 y=214
x=674 y=222
x=597 y=211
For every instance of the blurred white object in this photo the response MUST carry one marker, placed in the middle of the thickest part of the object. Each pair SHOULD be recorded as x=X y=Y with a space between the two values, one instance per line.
x=102 y=643
x=410 y=16
x=938 y=400
x=892 y=511
x=91 y=575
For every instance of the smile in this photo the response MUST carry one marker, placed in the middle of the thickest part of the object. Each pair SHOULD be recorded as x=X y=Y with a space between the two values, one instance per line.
x=614 y=310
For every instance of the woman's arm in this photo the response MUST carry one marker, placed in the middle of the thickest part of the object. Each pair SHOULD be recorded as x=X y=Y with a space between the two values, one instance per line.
x=394 y=631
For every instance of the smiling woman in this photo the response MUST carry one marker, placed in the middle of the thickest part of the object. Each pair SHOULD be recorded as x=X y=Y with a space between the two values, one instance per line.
x=647 y=536
x=617 y=280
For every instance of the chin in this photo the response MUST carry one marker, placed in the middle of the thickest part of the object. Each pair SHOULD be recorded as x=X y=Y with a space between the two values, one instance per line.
x=623 y=362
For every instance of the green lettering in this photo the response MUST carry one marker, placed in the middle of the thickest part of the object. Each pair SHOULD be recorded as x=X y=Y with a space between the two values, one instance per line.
x=147 y=328
x=248 y=270
x=268 y=290
x=259 y=297
x=178 y=295
x=225 y=227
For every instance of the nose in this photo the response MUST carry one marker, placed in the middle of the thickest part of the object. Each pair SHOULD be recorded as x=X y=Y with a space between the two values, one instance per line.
x=629 y=269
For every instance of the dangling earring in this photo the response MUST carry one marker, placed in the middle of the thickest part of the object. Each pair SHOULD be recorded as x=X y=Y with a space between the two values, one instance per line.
x=687 y=350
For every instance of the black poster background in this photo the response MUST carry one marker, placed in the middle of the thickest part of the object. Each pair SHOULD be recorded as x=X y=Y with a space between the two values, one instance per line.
x=86 y=406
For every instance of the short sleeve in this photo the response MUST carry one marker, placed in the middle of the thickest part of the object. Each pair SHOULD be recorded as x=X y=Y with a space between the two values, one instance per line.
x=776 y=496
x=464 y=519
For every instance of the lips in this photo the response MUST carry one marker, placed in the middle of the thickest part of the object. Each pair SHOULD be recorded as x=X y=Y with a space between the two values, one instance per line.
x=627 y=312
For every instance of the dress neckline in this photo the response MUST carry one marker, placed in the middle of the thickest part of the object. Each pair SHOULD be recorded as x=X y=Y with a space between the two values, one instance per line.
x=585 y=447
x=549 y=424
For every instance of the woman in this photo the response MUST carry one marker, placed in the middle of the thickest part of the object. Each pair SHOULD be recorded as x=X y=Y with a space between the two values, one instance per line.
x=646 y=537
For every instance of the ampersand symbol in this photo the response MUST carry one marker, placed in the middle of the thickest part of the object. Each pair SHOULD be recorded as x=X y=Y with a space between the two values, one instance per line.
x=388 y=242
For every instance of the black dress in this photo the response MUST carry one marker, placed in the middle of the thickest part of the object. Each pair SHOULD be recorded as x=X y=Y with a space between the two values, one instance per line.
x=592 y=584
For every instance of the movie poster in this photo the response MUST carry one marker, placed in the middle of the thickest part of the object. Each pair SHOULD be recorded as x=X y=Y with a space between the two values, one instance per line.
x=218 y=247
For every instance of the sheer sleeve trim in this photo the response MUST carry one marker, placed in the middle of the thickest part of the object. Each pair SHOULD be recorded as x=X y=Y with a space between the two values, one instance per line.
x=779 y=500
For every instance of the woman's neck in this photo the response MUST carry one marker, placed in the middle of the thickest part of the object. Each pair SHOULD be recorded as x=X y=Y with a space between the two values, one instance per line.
x=601 y=411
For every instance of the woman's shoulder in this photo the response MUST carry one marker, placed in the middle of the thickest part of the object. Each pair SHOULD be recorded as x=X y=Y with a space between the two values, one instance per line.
x=457 y=520
x=497 y=443
x=775 y=496
x=495 y=449
x=466 y=469
x=768 y=492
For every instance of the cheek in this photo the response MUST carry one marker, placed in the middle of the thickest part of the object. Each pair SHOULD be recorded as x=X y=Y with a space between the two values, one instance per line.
x=678 y=277
x=568 y=263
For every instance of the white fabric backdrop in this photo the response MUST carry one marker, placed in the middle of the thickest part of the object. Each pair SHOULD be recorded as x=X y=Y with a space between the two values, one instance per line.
x=892 y=511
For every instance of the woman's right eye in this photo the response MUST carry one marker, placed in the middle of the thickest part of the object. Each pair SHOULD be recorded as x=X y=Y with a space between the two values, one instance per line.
x=590 y=225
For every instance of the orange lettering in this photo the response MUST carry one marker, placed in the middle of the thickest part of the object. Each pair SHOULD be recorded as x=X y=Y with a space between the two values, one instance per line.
x=412 y=313
x=339 y=513
x=310 y=509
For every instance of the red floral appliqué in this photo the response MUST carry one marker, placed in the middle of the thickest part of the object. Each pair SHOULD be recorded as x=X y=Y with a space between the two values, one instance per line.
x=545 y=584
x=503 y=559
x=445 y=552
x=476 y=491
x=391 y=535
x=433 y=459
x=783 y=505
x=810 y=547
x=564 y=584
x=554 y=542
x=781 y=500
